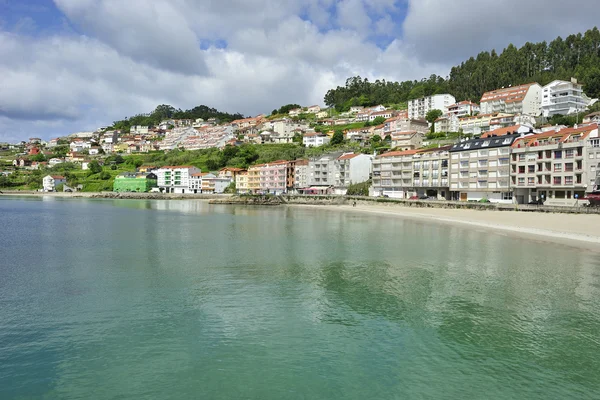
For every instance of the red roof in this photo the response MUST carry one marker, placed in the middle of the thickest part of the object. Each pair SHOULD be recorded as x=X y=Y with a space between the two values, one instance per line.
x=347 y=156
x=501 y=131
x=398 y=153
x=515 y=93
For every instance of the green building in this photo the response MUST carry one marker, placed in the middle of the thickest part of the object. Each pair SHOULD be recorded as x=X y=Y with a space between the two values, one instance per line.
x=134 y=182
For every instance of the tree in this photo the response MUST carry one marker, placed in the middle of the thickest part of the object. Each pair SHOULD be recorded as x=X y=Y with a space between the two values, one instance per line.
x=286 y=109
x=378 y=121
x=94 y=167
x=432 y=115
x=359 y=189
x=337 y=138
x=376 y=140
x=297 y=138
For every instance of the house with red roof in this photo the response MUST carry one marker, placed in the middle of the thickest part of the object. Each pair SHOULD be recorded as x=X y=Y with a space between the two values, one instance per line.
x=522 y=99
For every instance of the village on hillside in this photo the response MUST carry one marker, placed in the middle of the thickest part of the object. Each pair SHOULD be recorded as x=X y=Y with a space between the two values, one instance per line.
x=500 y=150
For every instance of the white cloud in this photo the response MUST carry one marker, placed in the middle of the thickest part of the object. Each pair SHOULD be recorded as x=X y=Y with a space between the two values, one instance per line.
x=129 y=56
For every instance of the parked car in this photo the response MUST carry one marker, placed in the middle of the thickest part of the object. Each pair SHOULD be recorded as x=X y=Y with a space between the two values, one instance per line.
x=413 y=198
x=424 y=197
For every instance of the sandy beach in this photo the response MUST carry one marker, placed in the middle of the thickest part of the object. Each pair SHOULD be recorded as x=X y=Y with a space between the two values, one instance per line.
x=576 y=230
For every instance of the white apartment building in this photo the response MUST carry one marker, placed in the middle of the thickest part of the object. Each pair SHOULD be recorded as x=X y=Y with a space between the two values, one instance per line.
x=351 y=168
x=564 y=98
x=315 y=139
x=175 y=179
x=418 y=108
x=480 y=169
x=139 y=129
x=523 y=99
x=403 y=174
x=464 y=109
x=321 y=171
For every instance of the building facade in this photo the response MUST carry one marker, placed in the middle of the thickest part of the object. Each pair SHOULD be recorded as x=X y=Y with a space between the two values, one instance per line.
x=315 y=139
x=175 y=179
x=418 y=108
x=480 y=169
x=301 y=175
x=407 y=140
x=404 y=174
x=554 y=167
x=564 y=98
x=523 y=99
x=464 y=109
x=351 y=168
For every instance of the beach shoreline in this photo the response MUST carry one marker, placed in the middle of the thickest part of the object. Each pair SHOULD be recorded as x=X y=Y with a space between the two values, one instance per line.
x=573 y=230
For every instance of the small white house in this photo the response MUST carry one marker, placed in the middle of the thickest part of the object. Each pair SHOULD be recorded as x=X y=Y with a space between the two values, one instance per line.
x=50 y=182
x=315 y=139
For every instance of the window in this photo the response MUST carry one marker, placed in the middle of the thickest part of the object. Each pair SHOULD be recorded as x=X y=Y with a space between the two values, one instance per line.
x=521 y=181
x=569 y=167
x=568 y=180
x=558 y=154
x=557 y=180
x=522 y=169
x=557 y=167
x=521 y=157
x=569 y=153
x=507 y=196
x=531 y=169
x=531 y=181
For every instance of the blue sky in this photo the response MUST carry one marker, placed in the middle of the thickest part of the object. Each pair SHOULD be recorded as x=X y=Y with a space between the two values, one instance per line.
x=75 y=65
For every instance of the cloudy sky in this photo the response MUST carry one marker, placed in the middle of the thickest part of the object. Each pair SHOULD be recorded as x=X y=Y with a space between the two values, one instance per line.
x=75 y=65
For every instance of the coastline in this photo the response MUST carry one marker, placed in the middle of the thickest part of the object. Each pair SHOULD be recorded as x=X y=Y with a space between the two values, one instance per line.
x=573 y=230
x=568 y=229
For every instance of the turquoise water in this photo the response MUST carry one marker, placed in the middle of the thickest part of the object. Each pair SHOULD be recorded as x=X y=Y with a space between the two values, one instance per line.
x=103 y=299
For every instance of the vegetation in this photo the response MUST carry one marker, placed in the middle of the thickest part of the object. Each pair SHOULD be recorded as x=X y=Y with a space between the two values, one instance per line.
x=576 y=56
x=284 y=110
x=431 y=116
x=359 y=189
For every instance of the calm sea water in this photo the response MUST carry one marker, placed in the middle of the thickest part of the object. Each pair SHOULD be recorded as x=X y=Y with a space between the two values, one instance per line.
x=103 y=299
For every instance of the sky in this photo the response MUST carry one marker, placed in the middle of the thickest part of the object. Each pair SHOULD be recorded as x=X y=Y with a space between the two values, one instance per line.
x=76 y=65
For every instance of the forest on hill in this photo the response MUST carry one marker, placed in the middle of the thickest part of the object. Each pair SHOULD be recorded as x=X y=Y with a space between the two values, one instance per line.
x=576 y=56
x=165 y=111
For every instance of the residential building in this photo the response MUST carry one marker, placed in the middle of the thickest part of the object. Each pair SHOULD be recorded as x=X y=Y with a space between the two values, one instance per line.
x=321 y=174
x=254 y=178
x=403 y=174
x=273 y=177
x=523 y=99
x=230 y=172
x=315 y=139
x=418 y=108
x=313 y=109
x=53 y=142
x=54 y=161
x=447 y=123
x=213 y=184
x=134 y=182
x=140 y=129
x=407 y=140
x=301 y=175
x=478 y=124
x=564 y=98
x=356 y=109
x=241 y=182
x=509 y=130
x=175 y=179
x=50 y=182
x=480 y=169
x=351 y=168
x=464 y=109
x=592 y=118
x=556 y=167
x=384 y=114
x=295 y=112
x=94 y=150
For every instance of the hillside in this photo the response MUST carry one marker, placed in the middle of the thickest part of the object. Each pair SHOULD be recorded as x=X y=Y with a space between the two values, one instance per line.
x=576 y=56
x=165 y=111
